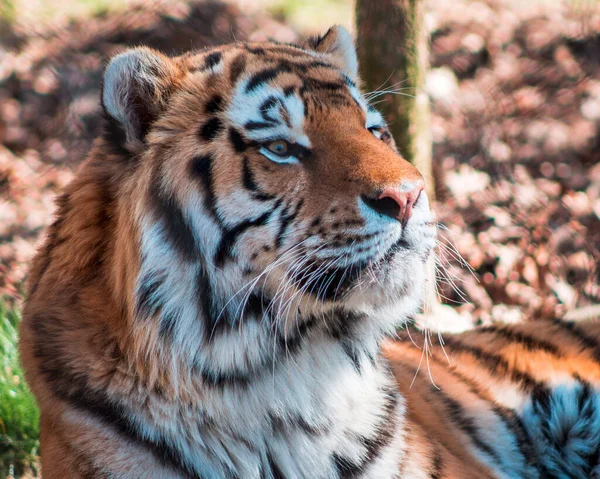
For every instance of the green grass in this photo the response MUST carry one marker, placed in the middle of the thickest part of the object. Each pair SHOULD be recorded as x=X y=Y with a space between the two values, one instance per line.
x=19 y=415
x=7 y=16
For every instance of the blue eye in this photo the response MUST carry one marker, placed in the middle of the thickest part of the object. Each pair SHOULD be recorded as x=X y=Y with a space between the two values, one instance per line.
x=280 y=151
x=279 y=147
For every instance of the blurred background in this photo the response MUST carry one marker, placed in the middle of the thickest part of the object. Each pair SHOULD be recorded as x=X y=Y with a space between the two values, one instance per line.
x=514 y=92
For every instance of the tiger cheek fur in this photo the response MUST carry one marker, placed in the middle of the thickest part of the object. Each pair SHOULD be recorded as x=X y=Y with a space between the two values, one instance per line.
x=213 y=296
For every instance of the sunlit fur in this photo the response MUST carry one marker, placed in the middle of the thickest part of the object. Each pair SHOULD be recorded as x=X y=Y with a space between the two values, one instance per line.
x=205 y=308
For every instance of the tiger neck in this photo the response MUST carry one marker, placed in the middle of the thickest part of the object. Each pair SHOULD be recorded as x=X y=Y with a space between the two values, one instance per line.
x=327 y=410
x=317 y=402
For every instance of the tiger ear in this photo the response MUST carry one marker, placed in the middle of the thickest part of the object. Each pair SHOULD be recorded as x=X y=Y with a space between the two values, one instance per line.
x=338 y=44
x=135 y=90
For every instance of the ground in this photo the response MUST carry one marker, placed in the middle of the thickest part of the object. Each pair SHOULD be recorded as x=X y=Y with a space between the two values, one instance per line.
x=515 y=94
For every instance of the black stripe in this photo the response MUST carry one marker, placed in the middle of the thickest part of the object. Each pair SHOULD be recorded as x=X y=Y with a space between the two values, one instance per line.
x=177 y=230
x=269 y=103
x=266 y=105
x=437 y=466
x=349 y=80
x=496 y=364
x=250 y=184
x=167 y=324
x=514 y=336
x=239 y=145
x=237 y=67
x=180 y=235
x=311 y=84
x=343 y=322
x=281 y=425
x=347 y=469
x=286 y=219
x=276 y=48
x=230 y=236
x=146 y=305
x=255 y=306
x=258 y=125
x=590 y=343
x=274 y=468
x=201 y=168
x=221 y=379
x=327 y=285
x=466 y=423
x=211 y=128
x=317 y=64
x=205 y=295
x=212 y=60
x=299 y=151
x=265 y=76
x=292 y=344
x=254 y=50
x=214 y=105
x=353 y=354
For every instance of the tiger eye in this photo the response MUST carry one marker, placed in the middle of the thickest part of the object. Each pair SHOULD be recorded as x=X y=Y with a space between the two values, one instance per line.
x=278 y=147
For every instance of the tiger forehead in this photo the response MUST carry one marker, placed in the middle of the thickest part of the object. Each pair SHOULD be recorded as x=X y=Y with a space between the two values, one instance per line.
x=274 y=91
x=255 y=53
x=270 y=104
x=281 y=66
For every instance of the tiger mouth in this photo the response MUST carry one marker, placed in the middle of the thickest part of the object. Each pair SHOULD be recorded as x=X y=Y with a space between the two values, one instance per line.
x=333 y=283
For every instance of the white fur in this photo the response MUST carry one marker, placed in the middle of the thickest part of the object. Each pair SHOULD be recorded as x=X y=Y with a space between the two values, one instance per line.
x=346 y=52
x=374 y=119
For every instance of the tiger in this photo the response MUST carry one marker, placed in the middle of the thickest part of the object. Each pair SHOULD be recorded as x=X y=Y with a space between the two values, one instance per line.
x=227 y=287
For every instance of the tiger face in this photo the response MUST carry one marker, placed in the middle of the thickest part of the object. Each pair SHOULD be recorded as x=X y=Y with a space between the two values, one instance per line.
x=271 y=189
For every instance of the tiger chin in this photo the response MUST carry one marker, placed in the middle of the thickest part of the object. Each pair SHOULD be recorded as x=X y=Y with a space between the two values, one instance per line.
x=217 y=292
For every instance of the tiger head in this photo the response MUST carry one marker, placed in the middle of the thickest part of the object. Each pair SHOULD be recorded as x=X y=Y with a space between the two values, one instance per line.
x=265 y=193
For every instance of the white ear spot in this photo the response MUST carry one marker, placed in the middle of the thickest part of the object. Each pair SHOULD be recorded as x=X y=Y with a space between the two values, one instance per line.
x=347 y=51
x=339 y=45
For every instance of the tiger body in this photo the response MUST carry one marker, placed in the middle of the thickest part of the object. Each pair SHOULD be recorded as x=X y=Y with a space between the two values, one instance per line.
x=215 y=297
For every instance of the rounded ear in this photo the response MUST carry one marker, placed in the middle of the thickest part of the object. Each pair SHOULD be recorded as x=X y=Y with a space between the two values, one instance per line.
x=135 y=90
x=338 y=44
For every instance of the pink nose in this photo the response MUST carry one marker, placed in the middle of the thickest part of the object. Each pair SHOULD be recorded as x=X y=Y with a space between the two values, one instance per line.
x=405 y=200
x=395 y=202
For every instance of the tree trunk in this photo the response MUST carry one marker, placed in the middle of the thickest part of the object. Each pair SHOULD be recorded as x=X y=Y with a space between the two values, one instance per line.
x=394 y=55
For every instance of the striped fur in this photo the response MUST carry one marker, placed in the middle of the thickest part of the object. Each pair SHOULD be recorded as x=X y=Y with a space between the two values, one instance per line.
x=209 y=306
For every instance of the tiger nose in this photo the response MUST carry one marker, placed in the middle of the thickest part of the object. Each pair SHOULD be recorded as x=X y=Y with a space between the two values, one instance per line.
x=396 y=201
